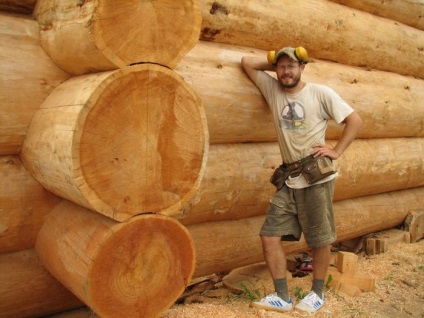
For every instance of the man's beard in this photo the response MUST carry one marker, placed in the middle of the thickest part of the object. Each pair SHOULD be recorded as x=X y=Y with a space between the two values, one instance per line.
x=295 y=79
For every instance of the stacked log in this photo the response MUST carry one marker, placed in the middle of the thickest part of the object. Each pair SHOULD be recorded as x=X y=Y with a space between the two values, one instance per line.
x=118 y=140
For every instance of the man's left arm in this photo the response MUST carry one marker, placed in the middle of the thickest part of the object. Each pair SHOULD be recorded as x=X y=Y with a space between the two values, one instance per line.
x=352 y=124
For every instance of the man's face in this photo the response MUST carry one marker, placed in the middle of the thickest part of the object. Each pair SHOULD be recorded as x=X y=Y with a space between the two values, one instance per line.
x=288 y=71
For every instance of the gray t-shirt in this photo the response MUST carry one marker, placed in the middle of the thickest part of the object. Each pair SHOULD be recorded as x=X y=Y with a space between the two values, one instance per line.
x=301 y=119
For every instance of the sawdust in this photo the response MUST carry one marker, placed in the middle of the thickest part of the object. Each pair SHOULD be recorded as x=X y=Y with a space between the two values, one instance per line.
x=399 y=293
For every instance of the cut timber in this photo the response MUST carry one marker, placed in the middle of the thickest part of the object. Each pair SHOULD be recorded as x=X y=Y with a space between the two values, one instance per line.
x=378 y=243
x=389 y=104
x=236 y=179
x=27 y=76
x=364 y=283
x=225 y=245
x=251 y=277
x=24 y=205
x=345 y=289
x=414 y=224
x=19 y=6
x=88 y=36
x=346 y=262
x=137 y=268
x=28 y=290
x=121 y=143
x=328 y=31
x=410 y=12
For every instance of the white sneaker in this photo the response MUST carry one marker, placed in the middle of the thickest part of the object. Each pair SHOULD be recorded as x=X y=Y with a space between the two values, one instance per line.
x=311 y=303
x=273 y=302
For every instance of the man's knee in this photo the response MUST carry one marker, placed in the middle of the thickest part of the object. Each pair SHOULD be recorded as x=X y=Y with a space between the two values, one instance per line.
x=270 y=243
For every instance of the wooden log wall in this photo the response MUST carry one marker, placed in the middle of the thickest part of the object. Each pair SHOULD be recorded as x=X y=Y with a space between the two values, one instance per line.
x=102 y=146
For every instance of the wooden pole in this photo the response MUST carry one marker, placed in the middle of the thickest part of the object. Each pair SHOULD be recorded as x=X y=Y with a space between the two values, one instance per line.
x=389 y=104
x=236 y=181
x=225 y=245
x=24 y=205
x=137 y=268
x=28 y=290
x=409 y=12
x=99 y=35
x=326 y=29
x=27 y=76
x=121 y=143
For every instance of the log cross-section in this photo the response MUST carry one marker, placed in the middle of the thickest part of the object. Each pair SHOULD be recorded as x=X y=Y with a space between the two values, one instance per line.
x=136 y=268
x=121 y=143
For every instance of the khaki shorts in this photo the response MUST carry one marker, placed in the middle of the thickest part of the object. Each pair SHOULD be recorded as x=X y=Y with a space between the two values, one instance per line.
x=308 y=210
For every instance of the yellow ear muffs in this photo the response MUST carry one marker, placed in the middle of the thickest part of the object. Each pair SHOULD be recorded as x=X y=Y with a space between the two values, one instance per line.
x=271 y=57
x=301 y=54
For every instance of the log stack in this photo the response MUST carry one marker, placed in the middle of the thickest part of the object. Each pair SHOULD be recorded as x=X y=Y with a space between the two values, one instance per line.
x=131 y=163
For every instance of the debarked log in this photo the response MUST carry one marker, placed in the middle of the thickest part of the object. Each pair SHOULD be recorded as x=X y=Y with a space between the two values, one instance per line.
x=225 y=245
x=24 y=205
x=27 y=289
x=121 y=143
x=410 y=12
x=137 y=268
x=27 y=76
x=89 y=36
x=236 y=181
x=389 y=104
x=327 y=30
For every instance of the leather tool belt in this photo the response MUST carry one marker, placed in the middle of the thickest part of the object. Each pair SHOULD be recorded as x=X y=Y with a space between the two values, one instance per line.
x=313 y=170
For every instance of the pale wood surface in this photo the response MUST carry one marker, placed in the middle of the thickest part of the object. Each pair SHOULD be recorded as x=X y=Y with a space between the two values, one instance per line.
x=389 y=104
x=225 y=245
x=122 y=143
x=103 y=35
x=236 y=180
x=27 y=76
x=24 y=205
x=410 y=12
x=136 y=268
x=326 y=29
x=28 y=290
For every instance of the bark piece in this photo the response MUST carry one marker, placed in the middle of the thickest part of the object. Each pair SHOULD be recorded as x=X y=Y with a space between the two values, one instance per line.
x=19 y=6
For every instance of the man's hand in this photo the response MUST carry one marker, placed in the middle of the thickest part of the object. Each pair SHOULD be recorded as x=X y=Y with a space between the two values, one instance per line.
x=320 y=150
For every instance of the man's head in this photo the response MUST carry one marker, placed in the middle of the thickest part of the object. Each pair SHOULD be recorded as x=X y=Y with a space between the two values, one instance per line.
x=289 y=64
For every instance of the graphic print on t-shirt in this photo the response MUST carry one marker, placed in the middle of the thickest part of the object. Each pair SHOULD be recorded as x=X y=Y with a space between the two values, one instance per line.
x=292 y=117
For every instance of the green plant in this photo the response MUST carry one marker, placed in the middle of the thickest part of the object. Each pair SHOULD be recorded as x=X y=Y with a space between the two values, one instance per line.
x=389 y=277
x=329 y=281
x=421 y=267
x=250 y=291
x=299 y=293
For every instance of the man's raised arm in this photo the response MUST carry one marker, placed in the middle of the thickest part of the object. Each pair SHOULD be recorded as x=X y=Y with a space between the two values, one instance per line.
x=252 y=65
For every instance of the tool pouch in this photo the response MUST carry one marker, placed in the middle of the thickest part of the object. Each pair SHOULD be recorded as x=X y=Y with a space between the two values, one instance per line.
x=317 y=169
x=279 y=177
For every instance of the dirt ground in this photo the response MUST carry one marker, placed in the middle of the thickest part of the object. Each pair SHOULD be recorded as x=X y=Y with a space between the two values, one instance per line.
x=399 y=292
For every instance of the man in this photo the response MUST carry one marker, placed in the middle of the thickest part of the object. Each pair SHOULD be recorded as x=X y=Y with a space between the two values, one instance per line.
x=300 y=111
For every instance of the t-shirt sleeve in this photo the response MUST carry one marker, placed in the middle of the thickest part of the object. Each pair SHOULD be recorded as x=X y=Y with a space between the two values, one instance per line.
x=266 y=83
x=334 y=106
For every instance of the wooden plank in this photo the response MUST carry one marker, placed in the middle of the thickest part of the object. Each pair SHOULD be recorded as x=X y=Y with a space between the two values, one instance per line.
x=414 y=224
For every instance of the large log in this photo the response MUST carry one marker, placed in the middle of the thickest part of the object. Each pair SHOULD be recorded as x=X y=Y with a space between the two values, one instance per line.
x=137 y=268
x=225 y=245
x=27 y=76
x=121 y=143
x=99 y=35
x=19 y=6
x=390 y=105
x=24 y=205
x=236 y=181
x=326 y=29
x=28 y=290
x=410 y=12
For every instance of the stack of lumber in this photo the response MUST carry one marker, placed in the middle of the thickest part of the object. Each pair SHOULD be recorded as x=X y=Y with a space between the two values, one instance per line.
x=136 y=154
